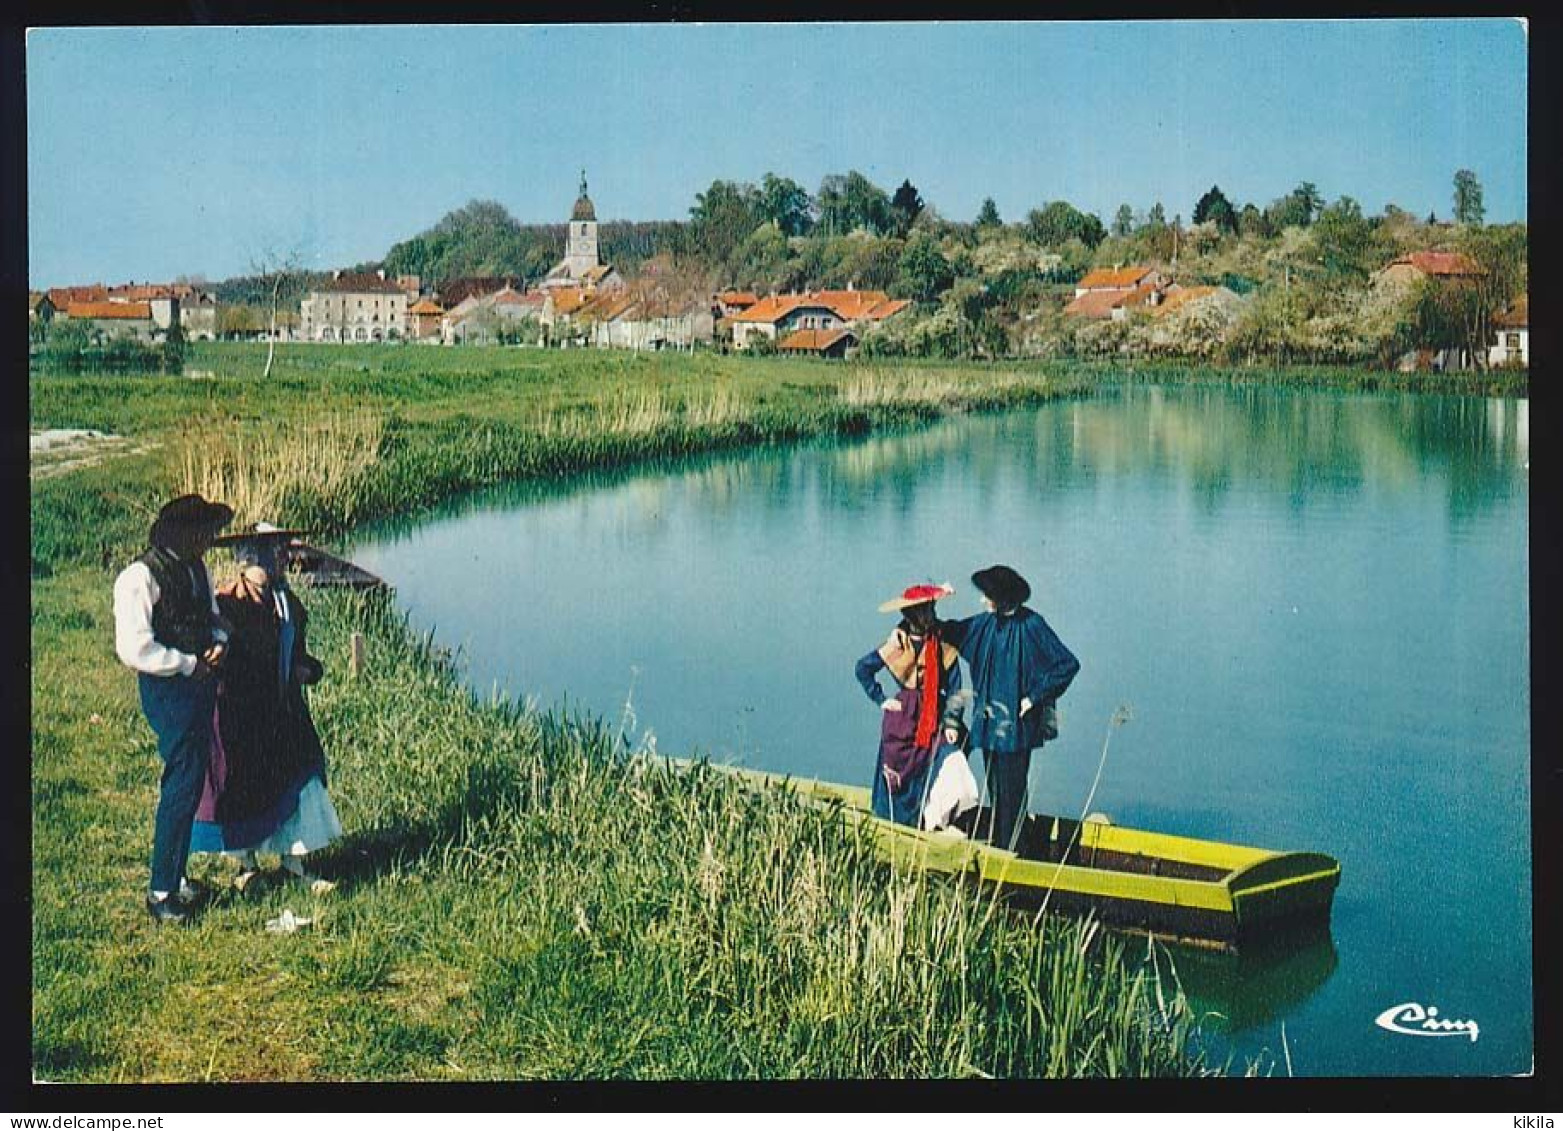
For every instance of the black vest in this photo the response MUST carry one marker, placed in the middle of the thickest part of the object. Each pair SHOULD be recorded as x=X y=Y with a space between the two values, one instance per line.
x=181 y=617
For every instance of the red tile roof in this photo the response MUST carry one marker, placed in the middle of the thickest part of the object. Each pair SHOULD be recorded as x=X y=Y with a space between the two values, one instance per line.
x=567 y=300
x=814 y=341
x=849 y=306
x=738 y=298
x=1181 y=296
x=362 y=283
x=426 y=306
x=1441 y=263
x=129 y=311
x=1118 y=278
x=1517 y=317
x=145 y=292
x=1095 y=304
x=64 y=296
x=453 y=291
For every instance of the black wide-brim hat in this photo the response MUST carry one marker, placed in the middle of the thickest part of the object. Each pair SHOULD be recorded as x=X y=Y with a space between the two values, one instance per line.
x=190 y=514
x=1003 y=586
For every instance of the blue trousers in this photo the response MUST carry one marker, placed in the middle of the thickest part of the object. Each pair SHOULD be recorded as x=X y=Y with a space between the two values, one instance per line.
x=180 y=711
x=1008 y=789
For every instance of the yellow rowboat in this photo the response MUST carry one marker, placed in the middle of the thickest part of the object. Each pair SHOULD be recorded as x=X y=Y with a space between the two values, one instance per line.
x=1194 y=891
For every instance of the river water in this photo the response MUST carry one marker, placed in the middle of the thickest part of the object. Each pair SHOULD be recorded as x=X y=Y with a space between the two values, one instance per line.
x=1315 y=605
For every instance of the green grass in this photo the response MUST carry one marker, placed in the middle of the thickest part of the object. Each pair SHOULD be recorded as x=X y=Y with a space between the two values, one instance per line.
x=520 y=897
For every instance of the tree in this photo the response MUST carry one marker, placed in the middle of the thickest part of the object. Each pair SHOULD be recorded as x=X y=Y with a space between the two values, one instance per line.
x=1157 y=218
x=722 y=217
x=1216 y=208
x=867 y=205
x=1308 y=196
x=925 y=272
x=172 y=352
x=988 y=214
x=1468 y=210
x=279 y=273
x=1059 y=221
x=831 y=203
x=785 y=203
x=1346 y=241
x=1123 y=221
x=905 y=206
x=1297 y=209
x=1251 y=222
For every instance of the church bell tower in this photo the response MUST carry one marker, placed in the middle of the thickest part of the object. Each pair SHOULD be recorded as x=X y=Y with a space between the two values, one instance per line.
x=580 y=253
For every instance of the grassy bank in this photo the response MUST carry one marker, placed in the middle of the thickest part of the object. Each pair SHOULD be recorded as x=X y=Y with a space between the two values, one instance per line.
x=330 y=442
x=1493 y=383
x=519 y=897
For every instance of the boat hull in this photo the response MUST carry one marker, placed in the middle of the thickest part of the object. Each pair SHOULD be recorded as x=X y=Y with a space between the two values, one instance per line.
x=1194 y=891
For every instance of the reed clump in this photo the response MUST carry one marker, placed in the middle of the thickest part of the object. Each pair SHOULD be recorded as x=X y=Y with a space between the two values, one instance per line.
x=305 y=470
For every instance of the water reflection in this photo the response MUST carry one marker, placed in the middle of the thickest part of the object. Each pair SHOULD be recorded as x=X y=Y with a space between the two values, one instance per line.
x=1259 y=985
x=1214 y=440
x=1315 y=603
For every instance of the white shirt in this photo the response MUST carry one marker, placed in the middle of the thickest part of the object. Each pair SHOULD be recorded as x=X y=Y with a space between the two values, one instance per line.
x=135 y=592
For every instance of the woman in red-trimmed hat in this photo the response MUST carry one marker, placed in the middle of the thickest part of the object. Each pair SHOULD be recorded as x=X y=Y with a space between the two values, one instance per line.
x=922 y=726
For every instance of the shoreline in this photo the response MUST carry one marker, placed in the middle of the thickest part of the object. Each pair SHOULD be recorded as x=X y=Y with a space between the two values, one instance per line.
x=497 y=854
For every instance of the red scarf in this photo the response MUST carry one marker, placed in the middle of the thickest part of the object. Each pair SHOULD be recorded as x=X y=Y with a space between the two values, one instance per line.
x=928 y=710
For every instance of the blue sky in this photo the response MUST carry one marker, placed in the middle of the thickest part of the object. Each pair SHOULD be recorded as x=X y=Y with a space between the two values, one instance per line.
x=156 y=152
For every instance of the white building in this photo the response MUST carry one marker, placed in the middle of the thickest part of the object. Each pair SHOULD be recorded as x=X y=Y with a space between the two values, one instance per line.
x=354 y=308
x=582 y=265
x=1511 y=335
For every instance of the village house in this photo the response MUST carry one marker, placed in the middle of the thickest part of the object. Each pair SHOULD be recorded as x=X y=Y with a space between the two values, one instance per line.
x=582 y=266
x=196 y=308
x=1119 y=279
x=777 y=316
x=729 y=303
x=1113 y=292
x=485 y=319
x=453 y=292
x=61 y=297
x=1419 y=265
x=137 y=320
x=819 y=343
x=1511 y=328
x=645 y=316
x=560 y=306
x=423 y=320
x=354 y=308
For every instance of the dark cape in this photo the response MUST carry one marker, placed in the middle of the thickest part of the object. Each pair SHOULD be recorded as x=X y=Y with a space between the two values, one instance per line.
x=268 y=748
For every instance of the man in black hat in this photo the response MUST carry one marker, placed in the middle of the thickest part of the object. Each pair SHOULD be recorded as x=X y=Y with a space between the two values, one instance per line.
x=1019 y=668
x=167 y=630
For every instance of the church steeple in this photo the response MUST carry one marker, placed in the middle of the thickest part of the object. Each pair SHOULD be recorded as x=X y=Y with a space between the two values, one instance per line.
x=580 y=249
x=584 y=210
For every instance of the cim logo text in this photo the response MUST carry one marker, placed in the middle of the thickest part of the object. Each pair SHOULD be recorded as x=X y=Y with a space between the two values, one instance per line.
x=1413 y=1020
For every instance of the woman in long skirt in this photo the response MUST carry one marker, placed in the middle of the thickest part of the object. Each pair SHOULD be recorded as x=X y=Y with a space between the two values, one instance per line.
x=266 y=787
x=922 y=727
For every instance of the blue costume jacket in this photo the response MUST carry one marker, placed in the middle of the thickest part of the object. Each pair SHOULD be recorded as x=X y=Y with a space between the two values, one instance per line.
x=1011 y=658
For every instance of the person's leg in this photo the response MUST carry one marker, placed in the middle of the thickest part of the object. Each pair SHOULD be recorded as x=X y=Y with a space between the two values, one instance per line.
x=180 y=713
x=1008 y=779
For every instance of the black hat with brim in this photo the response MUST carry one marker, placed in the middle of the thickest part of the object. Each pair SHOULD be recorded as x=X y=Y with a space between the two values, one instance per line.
x=189 y=514
x=1003 y=586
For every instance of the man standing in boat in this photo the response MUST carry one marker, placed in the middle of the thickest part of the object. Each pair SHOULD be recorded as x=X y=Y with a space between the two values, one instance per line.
x=1019 y=667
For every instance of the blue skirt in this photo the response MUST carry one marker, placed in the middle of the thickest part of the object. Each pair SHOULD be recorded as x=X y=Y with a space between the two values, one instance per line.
x=302 y=821
x=906 y=807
